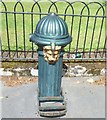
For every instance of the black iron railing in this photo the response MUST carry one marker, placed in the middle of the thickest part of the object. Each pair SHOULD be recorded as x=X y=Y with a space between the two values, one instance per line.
x=86 y=24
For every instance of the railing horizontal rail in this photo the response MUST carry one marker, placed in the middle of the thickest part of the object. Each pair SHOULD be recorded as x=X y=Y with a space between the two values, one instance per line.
x=36 y=13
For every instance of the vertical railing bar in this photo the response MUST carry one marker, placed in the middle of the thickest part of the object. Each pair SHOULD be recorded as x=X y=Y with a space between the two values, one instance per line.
x=32 y=32
x=70 y=5
x=40 y=16
x=99 y=38
x=32 y=50
x=16 y=35
x=64 y=17
x=16 y=30
x=104 y=48
x=92 y=37
x=105 y=44
x=24 y=35
x=32 y=29
x=83 y=55
x=72 y=25
x=32 y=23
x=7 y=29
x=1 y=51
x=71 y=32
x=78 y=35
x=8 y=39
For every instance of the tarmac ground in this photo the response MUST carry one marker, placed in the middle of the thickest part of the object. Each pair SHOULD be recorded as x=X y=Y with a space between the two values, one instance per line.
x=84 y=99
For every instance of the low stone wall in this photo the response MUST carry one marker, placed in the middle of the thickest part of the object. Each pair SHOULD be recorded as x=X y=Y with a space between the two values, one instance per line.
x=69 y=69
x=15 y=74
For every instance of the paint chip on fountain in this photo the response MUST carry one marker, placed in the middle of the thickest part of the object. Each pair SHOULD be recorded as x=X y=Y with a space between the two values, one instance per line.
x=34 y=72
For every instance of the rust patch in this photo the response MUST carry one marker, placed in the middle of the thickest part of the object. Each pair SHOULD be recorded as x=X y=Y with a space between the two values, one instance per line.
x=13 y=81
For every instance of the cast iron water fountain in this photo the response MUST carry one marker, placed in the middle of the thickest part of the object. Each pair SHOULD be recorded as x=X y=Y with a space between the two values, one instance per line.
x=51 y=36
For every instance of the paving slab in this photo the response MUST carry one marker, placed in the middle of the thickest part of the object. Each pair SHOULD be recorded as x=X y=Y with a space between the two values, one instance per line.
x=84 y=100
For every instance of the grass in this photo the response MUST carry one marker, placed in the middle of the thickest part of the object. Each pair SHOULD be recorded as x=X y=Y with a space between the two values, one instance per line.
x=44 y=8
